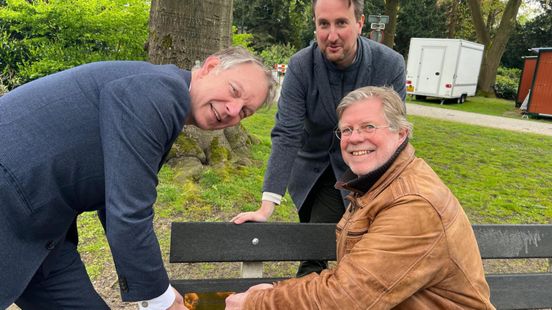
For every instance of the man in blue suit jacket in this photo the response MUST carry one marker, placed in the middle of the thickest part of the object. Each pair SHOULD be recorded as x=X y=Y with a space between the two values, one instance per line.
x=93 y=138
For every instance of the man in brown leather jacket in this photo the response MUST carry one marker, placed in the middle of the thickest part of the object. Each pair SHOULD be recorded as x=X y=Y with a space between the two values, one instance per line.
x=404 y=241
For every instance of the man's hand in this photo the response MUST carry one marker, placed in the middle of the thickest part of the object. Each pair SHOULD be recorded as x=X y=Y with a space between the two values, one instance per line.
x=178 y=303
x=236 y=301
x=262 y=286
x=261 y=215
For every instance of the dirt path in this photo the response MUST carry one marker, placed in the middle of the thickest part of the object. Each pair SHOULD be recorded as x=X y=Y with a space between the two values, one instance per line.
x=520 y=125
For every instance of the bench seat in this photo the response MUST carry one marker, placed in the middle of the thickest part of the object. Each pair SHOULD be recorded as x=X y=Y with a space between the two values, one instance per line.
x=254 y=243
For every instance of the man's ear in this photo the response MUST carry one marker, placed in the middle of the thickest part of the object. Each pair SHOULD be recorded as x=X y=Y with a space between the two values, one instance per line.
x=403 y=134
x=208 y=65
x=362 y=19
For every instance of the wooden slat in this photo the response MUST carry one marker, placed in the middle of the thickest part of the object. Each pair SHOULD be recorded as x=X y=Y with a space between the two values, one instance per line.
x=521 y=291
x=508 y=291
x=219 y=285
x=294 y=241
x=514 y=241
x=228 y=242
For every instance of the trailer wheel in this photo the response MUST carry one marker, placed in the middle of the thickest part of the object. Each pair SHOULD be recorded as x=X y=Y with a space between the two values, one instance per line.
x=462 y=98
x=420 y=97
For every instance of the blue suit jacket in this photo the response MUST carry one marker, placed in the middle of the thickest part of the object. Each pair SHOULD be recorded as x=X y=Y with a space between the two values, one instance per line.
x=306 y=118
x=89 y=138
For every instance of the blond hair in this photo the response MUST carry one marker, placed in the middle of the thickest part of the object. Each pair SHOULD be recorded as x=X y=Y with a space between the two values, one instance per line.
x=237 y=55
x=394 y=109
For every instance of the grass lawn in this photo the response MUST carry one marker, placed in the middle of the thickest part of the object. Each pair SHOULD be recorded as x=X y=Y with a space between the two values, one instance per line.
x=499 y=177
x=482 y=105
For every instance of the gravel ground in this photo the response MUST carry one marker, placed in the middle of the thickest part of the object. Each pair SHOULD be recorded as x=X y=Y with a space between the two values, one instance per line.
x=520 y=125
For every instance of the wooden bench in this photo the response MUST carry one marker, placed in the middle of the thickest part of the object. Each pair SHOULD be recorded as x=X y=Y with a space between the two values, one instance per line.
x=254 y=243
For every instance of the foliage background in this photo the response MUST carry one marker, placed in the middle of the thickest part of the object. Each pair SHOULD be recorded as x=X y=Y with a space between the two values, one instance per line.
x=39 y=37
x=42 y=37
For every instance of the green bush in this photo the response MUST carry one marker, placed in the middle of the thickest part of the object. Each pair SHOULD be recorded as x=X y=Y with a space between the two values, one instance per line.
x=244 y=40
x=507 y=81
x=42 y=37
x=3 y=89
x=278 y=54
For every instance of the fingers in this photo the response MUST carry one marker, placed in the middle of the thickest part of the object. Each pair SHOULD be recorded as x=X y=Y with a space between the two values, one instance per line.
x=246 y=217
x=238 y=219
x=235 y=301
x=261 y=215
x=178 y=303
x=262 y=286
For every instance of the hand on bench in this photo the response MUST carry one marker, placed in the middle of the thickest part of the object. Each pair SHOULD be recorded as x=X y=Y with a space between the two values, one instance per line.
x=235 y=301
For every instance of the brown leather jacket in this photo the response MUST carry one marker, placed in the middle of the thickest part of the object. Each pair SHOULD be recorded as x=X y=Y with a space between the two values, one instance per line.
x=404 y=244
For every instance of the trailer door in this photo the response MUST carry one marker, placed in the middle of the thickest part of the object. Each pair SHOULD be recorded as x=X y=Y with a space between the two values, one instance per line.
x=467 y=71
x=431 y=65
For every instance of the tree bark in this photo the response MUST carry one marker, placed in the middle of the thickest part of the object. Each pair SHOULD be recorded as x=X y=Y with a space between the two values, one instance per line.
x=494 y=47
x=181 y=33
x=453 y=19
x=391 y=10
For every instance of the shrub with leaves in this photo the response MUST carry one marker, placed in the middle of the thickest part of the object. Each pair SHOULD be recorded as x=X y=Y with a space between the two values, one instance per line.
x=244 y=40
x=278 y=54
x=41 y=37
x=3 y=89
x=507 y=81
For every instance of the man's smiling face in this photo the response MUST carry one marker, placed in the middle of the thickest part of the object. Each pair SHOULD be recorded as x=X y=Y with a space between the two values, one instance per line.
x=337 y=30
x=366 y=152
x=221 y=98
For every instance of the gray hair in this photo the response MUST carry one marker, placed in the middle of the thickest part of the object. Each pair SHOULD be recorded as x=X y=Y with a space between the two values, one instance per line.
x=237 y=55
x=357 y=4
x=394 y=109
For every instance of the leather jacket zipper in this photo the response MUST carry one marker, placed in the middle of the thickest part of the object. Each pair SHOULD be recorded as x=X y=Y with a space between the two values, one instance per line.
x=343 y=238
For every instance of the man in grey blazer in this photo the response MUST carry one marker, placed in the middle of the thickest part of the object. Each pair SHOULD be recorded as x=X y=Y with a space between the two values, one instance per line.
x=316 y=79
x=93 y=138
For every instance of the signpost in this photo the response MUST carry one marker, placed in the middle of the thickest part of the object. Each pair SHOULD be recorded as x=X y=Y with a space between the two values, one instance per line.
x=377 y=24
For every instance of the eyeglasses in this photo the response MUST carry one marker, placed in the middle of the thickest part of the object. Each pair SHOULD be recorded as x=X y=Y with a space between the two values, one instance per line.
x=362 y=129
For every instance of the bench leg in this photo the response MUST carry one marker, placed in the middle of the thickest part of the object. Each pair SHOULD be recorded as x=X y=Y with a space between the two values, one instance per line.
x=252 y=269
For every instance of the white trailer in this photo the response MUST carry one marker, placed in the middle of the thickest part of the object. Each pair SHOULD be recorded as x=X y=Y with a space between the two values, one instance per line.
x=443 y=68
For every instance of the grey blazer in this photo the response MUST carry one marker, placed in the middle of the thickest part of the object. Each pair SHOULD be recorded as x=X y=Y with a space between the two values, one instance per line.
x=86 y=139
x=303 y=143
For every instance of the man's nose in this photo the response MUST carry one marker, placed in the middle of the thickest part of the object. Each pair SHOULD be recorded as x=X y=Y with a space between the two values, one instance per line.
x=356 y=136
x=233 y=108
x=333 y=35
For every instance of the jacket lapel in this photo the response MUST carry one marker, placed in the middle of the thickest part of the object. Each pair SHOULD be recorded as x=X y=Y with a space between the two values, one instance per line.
x=323 y=85
x=364 y=77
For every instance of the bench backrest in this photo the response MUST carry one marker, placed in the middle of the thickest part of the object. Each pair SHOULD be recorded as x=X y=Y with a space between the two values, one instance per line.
x=257 y=242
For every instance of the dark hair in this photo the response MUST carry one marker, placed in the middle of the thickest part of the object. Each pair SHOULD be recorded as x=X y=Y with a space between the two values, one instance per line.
x=357 y=4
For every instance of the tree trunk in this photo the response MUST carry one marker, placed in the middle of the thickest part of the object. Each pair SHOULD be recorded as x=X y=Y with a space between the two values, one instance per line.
x=494 y=47
x=453 y=19
x=391 y=10
x=181 y=33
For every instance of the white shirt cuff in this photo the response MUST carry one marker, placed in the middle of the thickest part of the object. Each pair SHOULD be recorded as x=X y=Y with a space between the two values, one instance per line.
x=162 y=302
x=277 y=199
